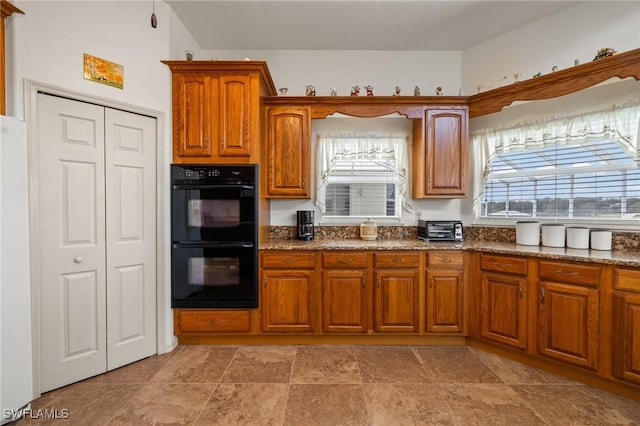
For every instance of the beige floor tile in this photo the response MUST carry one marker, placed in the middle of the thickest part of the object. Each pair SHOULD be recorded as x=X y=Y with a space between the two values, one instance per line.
x=261 y=364
x=454 y=364
x=196 y=364
x=330 y=405
x=570 y=405
x=83 y=403
x=514 y=372
x=138 y=372
x=629 y=408
x=490 y=404
x=406 y=404
x=166 y=404
x=246 y=404
x=325 y=364
x=394 y=364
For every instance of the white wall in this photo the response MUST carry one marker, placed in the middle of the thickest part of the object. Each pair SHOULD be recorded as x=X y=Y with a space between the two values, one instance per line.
x=574 y=33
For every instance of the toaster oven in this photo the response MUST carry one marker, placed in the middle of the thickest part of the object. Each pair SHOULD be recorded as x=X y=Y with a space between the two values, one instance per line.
x=440 y=230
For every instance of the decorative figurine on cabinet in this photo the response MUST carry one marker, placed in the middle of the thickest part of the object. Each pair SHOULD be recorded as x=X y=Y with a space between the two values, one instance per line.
x=355 y=91
x=605 y=52
x=333 y=91
x=397 y=92
x=439 y=91
x=369 y=90
x=416 y=91
x=311 y=91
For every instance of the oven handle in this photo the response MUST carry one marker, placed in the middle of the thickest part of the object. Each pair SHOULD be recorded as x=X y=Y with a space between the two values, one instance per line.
x=200 y=244
x=230 y=186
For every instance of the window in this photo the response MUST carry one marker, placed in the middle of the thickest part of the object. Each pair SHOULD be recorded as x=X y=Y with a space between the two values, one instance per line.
x=361 y=176
x=582 y=168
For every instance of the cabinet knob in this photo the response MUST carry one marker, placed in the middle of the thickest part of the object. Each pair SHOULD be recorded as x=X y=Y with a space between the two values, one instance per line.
x=78 y=259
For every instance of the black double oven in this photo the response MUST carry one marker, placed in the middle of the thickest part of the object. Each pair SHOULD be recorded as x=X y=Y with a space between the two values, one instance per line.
x=214 y=227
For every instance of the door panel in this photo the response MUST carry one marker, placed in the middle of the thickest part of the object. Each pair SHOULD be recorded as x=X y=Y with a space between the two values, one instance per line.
x=72 y=249
x=131 y=231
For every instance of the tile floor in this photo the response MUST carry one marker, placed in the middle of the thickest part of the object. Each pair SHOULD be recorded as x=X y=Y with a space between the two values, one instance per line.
x=331 y=385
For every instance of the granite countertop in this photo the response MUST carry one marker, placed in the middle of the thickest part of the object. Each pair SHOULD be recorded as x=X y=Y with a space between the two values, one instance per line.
x=615 y=257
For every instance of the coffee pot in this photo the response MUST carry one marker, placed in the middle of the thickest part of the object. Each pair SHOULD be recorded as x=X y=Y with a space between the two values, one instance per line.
x=305 y=225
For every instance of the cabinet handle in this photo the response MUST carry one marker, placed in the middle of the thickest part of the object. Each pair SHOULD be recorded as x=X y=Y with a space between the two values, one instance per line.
x=521 y=290
x=221 y=143
x=288 y=260
x=265 y=282
x=567 y=274
x=379 y=283
x=304 y=183
x=349 y=260
x=399 y=260
x=505 y=265
x=431 y=282
x=364 y=283
x=445 y=260
x=543 y=293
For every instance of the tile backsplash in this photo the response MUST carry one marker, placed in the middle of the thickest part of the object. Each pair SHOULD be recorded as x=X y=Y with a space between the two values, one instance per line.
x=621 y=240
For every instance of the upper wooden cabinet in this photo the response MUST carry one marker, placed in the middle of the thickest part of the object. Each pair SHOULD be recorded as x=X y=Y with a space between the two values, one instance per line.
x=216 y=110
x=440 y=159
x=288 y=152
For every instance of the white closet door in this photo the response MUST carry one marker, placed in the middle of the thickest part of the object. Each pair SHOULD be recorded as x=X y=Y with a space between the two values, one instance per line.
x=131 y=237
x=97 y=232
x=72 y=241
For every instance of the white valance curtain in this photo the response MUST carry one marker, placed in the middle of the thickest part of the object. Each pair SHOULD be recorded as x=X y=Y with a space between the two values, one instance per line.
x=332 y=148
x=619 y=123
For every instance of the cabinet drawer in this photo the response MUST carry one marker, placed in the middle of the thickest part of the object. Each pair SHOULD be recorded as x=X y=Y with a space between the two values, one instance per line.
x=207 y=321
x=570 y=273
x=445 y=259
x=508 y=264
x=627 y=279
x=398 y=259
x=344 y=260
x=293 y=260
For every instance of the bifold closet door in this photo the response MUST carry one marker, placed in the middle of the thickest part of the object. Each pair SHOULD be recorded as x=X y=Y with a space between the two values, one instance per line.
x=96 y=206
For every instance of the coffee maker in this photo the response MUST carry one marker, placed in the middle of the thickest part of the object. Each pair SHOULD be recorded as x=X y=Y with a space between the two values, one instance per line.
x=305 y=225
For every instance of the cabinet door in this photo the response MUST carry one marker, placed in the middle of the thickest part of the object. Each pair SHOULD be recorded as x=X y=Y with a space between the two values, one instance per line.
x=344 y=297
x=192 y=112
x=440 y=156
x=568 y=323
x=287 y=301
x=504 y=309
x=626 y=336
x=234 y=116
x=288 y=155
x=444 y=305
x=396 y=301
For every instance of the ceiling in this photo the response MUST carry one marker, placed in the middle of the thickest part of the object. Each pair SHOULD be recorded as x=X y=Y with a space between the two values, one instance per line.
x=355 y=25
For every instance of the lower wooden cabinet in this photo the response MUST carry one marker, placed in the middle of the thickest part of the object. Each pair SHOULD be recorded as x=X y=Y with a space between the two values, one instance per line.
x=626 y=325
x=444 y=311
x=504 y=302
x=568 y=313
x=288 y=300
x=208 y=321
x=345 y=292
x=396 y=295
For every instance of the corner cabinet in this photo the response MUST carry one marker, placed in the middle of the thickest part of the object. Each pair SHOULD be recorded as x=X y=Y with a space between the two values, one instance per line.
x=440 y=153
x=216 y=110
x=288 y=152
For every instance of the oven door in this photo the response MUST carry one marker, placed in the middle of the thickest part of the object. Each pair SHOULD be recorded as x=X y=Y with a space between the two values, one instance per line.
x=220 y=276
x=214 y=213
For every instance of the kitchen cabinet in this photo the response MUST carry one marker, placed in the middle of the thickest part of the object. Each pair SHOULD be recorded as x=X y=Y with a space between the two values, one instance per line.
x=445 y=312
x=503 y=306
x=568 y=298
x=288 y=152
x=288 y=292
x=345 y=292
x=440 y=153
x=211 y=321
x=626 y=325
x=216 y=110
x=396 y=294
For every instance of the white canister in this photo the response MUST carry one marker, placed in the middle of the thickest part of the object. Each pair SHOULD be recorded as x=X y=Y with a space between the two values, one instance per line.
x=368 y=230
x=601 y=239
x=553 y=235
x=528 y=233
x=578 y=237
